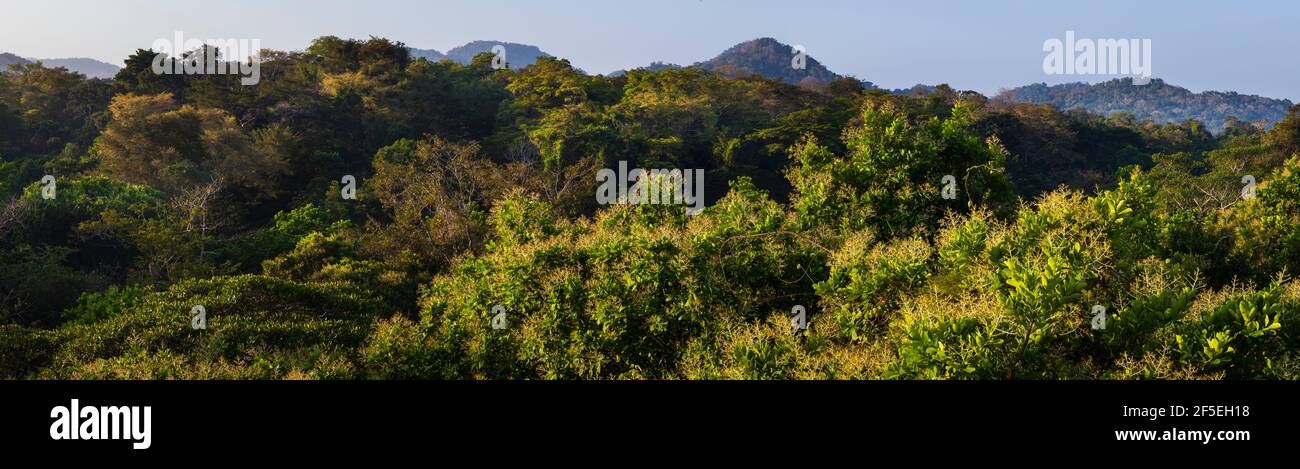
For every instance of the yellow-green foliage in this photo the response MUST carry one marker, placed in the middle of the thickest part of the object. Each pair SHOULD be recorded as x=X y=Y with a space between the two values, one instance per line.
x=474 y=248
x=618 y=296
x=278 y=327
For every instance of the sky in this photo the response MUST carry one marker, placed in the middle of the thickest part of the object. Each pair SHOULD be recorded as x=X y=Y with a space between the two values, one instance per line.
x=1248 y=46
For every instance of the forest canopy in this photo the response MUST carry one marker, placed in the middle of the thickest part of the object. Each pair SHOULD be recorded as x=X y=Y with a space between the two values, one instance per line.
x=940 y=235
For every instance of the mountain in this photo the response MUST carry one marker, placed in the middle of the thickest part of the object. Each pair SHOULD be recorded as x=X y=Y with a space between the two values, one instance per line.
x=770 y=58
x=1156 y=101
x=427 y=54
x=517 y=55
x=89 y=67
x=653 y=67
x=919 y=89
x=6 y=59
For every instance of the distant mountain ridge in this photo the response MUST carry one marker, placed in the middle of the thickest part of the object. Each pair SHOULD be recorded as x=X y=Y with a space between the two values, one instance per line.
x=919 y=89
x=89 y=67
x=427 y=54
x=517 y=55
x=1156 y=101
x=7 y=59
x=655 y=66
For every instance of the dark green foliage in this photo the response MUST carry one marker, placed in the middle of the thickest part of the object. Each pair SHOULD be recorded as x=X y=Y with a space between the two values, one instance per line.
x=957 y=349
x=92 y=307
x=23 y=350
x=1241 y=336
x=247 y=316
x=474 y=196
x=893 y=177
x=1132 y=328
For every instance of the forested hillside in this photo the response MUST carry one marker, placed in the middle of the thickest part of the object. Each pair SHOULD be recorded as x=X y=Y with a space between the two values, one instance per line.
x=1156 y=101
x=90 y=67
x=475 y=196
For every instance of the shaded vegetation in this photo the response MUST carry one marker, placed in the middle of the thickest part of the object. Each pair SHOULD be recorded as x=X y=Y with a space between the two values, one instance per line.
x=475 y=189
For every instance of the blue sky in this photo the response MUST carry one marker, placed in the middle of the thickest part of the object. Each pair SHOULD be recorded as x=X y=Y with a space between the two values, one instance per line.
x=1244 y=45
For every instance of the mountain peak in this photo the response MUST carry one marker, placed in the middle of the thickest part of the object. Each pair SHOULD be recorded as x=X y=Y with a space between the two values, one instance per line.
x=7 y=58
x=765 y=41
x=517 y=55
x=771 y=58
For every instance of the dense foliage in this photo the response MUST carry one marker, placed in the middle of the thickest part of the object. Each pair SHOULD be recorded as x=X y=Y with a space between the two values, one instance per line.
x=935 y=235
x=1156 y=101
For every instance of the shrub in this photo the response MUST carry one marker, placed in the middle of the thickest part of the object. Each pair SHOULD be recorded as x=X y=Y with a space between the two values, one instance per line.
x=92 y=306
x=1240 y=336
x=245 y=315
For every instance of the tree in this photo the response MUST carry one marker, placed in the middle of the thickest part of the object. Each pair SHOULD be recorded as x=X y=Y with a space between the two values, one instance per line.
x=153 y=141
x=1286 y=133
x=893 y=178
x=434 y=195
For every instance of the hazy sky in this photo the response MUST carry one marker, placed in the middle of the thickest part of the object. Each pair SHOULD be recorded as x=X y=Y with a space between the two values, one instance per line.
x=1242 y=45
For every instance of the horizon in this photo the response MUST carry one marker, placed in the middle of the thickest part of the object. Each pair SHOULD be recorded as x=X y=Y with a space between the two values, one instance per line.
x=1200 y=47
x=1061 y=197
